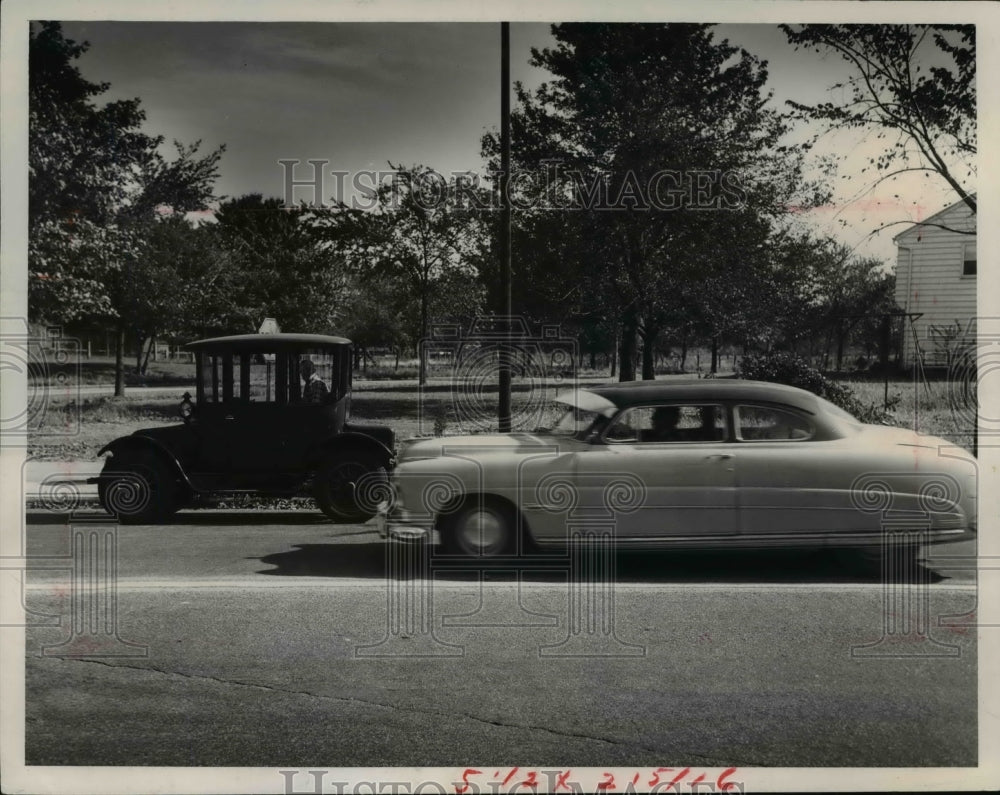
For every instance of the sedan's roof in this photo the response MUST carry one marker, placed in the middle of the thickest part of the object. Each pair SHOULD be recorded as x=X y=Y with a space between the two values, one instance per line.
x=632 y=393
x=268 y=342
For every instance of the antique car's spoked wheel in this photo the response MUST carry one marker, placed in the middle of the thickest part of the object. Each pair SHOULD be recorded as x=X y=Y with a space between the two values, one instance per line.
x=481 y=528
x=138 y=489
x=343 y=489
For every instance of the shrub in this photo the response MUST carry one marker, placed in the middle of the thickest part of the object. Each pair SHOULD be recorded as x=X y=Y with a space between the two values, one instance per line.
x=787 y=368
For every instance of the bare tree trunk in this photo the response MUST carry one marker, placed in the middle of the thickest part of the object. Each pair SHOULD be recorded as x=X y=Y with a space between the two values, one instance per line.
x=715 y=355
x=150 y=347
x=627 y=347
x=139 y=342
x=826 y=351
x=884 y=337
x=120 y=360
x=421 y=346
x=649 y=354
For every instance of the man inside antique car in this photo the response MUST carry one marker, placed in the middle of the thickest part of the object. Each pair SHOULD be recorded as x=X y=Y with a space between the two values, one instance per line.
x=314 y=390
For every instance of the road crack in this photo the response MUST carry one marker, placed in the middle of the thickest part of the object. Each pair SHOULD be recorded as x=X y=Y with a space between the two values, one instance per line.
x=353 y=700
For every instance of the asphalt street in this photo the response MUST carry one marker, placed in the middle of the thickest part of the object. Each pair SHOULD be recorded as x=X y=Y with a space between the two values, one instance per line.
x=282 y=640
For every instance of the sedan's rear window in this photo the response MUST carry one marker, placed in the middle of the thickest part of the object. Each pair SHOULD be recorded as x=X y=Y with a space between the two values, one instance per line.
x=770 y=424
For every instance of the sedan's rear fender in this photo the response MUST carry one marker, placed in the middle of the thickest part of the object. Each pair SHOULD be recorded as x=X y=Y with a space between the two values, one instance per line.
x=932 y=500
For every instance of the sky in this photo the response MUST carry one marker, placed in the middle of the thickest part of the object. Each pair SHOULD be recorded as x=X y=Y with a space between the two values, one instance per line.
x=359 y=95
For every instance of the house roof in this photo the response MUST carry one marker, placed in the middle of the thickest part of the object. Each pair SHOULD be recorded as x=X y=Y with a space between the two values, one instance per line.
x=930 y=220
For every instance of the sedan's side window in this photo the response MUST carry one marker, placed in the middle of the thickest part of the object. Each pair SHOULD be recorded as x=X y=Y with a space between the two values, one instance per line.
x=769 y=424
x=669 y=423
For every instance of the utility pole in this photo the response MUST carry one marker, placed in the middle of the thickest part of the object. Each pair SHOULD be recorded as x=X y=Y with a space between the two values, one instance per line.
x=504 y=408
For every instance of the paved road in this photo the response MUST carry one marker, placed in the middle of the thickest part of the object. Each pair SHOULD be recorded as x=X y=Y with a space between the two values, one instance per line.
x=279 y=640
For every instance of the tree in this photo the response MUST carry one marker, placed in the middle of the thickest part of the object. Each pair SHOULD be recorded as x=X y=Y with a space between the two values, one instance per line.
x=97 y=185
x=418 y=233
x=915 y=85
x=668 y=161
x=276 y=264
x=75 y=184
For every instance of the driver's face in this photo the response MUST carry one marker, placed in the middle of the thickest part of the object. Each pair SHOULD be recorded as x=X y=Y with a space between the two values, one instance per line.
x=665 y=419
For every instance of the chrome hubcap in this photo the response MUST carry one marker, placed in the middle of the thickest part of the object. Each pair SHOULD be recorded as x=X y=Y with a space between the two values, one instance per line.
x=482 y=530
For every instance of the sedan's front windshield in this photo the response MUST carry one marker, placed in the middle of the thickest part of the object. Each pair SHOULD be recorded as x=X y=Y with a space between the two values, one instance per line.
x=577 y=422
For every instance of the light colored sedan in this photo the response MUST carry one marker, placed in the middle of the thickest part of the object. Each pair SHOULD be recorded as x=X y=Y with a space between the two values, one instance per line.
x=704 y=464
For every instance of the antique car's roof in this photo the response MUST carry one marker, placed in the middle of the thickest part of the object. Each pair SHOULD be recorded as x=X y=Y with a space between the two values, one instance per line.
x=268 y=342
x=630 y=393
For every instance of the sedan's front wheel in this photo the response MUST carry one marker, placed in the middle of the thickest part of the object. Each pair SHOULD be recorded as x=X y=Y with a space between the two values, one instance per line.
x=481 y=528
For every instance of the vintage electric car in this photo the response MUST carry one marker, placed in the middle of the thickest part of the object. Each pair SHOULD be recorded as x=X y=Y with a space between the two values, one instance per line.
x=269 y=418
x=702 y=464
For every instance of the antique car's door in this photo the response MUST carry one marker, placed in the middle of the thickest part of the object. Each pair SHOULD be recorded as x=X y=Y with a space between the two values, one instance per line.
x=272 y=425
x=659 y=482
x=242 y=417
x=213 y=420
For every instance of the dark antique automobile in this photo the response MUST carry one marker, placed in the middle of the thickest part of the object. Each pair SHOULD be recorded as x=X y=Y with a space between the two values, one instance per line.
x=269 y=419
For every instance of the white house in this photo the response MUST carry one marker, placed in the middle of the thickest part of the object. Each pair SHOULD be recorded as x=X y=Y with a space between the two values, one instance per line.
x=936 y=285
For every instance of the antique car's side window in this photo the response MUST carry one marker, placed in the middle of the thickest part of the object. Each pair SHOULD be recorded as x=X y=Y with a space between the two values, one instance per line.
x=669 y=423
x=325 y=369
x=315 y=377
x=232 y=381
x=771 y=424
x=262 y=378
x=210 y=382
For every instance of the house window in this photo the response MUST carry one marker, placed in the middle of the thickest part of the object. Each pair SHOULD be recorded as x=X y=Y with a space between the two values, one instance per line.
x=969 y=260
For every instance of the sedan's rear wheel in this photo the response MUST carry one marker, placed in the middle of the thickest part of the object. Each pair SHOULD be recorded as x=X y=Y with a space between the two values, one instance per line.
x=481 y=528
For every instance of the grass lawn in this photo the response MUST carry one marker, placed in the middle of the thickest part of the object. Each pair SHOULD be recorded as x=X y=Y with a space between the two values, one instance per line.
x=74 y=430
x=101 y=370
x=938 y=408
